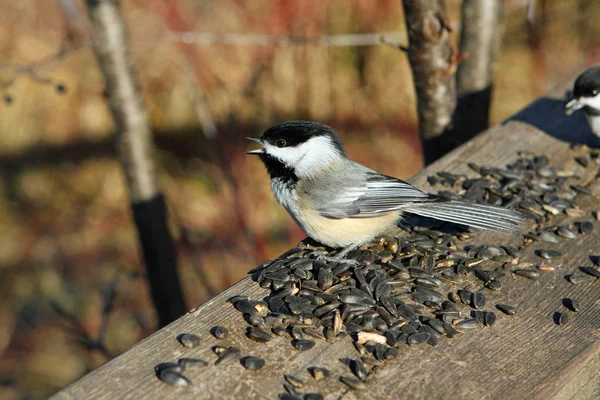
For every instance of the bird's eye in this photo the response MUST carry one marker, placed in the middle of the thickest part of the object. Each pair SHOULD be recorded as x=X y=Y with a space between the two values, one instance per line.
x=280 y=143
x=595 y=92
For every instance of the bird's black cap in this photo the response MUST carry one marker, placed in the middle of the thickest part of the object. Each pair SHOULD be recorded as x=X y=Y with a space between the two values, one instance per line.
x=587 y=84
x=298 y=132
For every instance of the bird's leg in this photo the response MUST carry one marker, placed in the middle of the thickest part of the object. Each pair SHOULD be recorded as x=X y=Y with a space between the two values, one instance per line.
x=339 y=257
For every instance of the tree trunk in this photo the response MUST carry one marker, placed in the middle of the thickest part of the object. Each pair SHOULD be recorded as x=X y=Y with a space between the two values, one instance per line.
x=480 y=40
x=135 y=150
x=433 y=62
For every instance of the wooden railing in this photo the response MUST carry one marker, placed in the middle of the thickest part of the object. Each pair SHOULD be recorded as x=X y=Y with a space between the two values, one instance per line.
x=525 y=356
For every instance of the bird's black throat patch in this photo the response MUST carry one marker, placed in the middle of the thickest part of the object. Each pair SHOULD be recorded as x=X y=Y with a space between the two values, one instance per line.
x=277 y=169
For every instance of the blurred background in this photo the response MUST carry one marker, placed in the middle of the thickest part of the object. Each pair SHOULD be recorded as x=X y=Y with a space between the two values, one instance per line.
x=70 y=265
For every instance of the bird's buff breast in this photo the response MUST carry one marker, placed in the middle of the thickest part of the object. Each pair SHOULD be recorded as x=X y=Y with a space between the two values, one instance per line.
x=329 y=231
x=346 y=231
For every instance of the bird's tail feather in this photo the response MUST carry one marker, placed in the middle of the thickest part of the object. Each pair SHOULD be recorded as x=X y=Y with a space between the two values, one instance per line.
x=473 y=214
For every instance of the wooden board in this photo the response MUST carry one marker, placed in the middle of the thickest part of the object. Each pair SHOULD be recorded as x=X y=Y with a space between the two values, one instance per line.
x=523 y=356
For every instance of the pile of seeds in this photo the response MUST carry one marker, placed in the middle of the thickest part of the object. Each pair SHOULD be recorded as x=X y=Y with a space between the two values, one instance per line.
x=418 y=287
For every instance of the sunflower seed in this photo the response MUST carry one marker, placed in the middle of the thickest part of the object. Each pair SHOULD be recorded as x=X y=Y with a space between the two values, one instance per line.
x=572 y=305
x=358 y=369
x=494 y=285
x=478 y=300
x=590 y=271
x=258 y=335
x=177 y=367
x=289 y=396
x=231 y=355
x=548 y=254
x=303 y=344
x=561 y=318
x=173 y=378
x=577 y=279
x=220 y=332
x=527 y=273
x=191 y=363
x=489 y=318
x=586 y=227
x=246 y=307
x=313 y=396
x=294 y=381
x=506 y=309
x=418 y=338
x=189 y=340
x=353 y=383
x=252 y=363
x=468 y=324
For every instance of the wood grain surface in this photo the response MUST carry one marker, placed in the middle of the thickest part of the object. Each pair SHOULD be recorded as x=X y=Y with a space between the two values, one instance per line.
x=526 y=356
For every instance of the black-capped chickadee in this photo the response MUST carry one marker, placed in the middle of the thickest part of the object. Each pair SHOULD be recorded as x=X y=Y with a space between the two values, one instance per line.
x=586 y=96
x=341 y=203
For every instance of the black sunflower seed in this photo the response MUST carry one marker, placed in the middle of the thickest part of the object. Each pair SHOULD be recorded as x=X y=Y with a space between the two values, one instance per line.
x=468 y=324
x=191 y=363
x=258 y=335
x=506 y=309
x=418 y=338
x=231 y=355
x=358 y=369
x=572 y=305
x=313 y=396
x=252 y=363
x=590 y=271
x=177 y=367
x=353 y=383
x=478 y=300
x=303 y=344
x=527 y=273
x=189 y=340
x=220 y=332
x=173 y=378
x=577 y=279
x=548 y=254
x=294 y=381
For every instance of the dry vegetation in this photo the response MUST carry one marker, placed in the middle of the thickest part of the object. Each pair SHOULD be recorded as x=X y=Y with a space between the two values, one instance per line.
x=66 y=231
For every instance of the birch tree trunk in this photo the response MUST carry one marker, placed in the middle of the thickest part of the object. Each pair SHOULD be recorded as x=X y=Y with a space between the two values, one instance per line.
x=433 y=62
x=480 y=40
x=135 y=149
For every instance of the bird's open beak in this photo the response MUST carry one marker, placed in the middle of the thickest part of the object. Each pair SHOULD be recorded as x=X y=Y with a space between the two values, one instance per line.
x=572 y=106
x=258 y=151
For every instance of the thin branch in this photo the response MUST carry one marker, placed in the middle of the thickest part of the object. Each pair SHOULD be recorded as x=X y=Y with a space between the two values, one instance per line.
x=393 y=45
x=244 y=39
x=46 y=64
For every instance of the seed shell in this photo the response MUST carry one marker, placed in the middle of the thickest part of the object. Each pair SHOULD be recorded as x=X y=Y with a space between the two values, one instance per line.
x=319 y=373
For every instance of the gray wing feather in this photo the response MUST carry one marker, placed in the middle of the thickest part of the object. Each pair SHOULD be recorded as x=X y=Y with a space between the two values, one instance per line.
x=364 y=193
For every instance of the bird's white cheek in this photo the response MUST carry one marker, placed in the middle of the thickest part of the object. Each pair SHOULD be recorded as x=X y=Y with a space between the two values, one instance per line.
x=287 y=155
x=593 y=102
